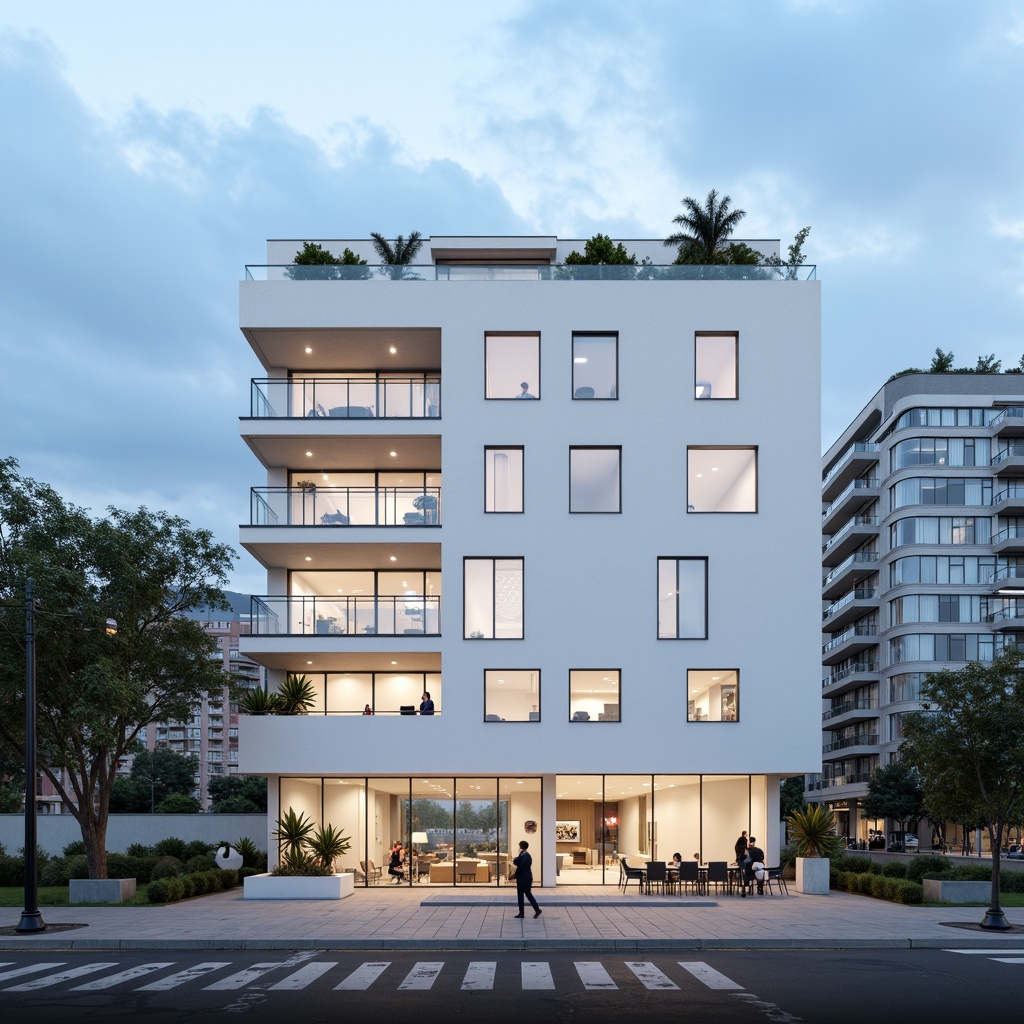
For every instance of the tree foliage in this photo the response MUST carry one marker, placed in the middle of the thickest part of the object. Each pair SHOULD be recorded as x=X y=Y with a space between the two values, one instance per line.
x=704 y=230
x=237 y=794
x=398 y=255
x=968 y=744
x=94 y=692
x=315 y=263
x=600 y=250
x=155 y=775
x=894 y=791
x=791 y=796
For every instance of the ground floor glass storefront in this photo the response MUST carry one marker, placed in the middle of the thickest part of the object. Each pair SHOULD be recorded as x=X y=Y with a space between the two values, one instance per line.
x=465 y=830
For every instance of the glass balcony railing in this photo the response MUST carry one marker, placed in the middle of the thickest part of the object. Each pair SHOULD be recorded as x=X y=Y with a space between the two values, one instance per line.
x=854 y=559
x=345 y=506
x=857 y=485
x=849 y=634
x=863 y=740
x=1005 y=615
x=863 y=704
x=1007 y=572
x=860 y=594
x=540 y=272
x=858 y=668
x=859 y=446
x=1013 y=412
x=1010 y=533
x=401 y=397
x=369 y=614
x=1011 y=451
x=847 y=527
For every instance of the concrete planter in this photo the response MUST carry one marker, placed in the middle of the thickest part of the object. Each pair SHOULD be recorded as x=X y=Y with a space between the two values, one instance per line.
x=812 y=876
x=101 y=890
x=936 y=891
x=299 y=887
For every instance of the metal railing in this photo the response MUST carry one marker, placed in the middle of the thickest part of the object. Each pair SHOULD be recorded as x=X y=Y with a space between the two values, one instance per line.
x=346 y=616
x=857 y=668
x=1010 y=533
x=1005 y=614
x=862 y=484
x=861 y=704
x=536 y=272
x=857 y=556
x=406 y=397
x=1008 y=572
x=1012 y=412
x=1014 y=490
x=847 y=635
x=861 y=594
x=864 y=740
x=847 y=527
x=858 y=446
x=1009 y=452
x=345 y=506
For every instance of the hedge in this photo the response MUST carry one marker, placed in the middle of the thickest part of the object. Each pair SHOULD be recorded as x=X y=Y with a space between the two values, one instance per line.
x=884 y=887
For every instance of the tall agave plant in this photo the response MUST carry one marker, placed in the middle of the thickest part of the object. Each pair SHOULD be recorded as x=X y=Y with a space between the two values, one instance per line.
x=297 y=694
x=813 y=832
x=258 y=701
x=327 y=844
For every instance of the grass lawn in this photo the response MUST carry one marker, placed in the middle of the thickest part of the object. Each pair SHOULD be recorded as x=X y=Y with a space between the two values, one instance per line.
x=57 y=896
x=1006 y=900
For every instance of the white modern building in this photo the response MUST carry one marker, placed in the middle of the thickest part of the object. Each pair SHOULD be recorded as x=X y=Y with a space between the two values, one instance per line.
x=574 y=504
x=922 y=563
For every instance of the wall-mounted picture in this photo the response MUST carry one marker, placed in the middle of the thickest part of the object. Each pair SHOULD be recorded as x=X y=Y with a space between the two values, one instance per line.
x=567 y=831
x=530 y=827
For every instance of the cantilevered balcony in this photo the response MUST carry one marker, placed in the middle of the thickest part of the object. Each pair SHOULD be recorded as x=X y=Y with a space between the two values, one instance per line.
x=853 y=605
x=862 y=743
x=1010 y=500
x=1009 y=541
x=345 y=506
x=850 y=536
x=351 y=616
x=1006 y=620
x=848 y=467
x=851 y=500
x=1009 y=461
x=852 y=641
x=845 y=575
x=850 y=677
x=1008 y=580
x=391 y=396
x=861 y=709
x=1008 y=423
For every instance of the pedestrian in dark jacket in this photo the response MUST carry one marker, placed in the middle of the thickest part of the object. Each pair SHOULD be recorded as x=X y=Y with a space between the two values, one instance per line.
x=524 y=879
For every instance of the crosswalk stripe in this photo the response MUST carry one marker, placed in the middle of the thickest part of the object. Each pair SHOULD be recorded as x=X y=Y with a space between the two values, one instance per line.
x=649 y=975
x=364 y=976
x=118 y=979
x=479 y=976
x=422 y=976
x=1009 y=959
x=242 y=978
x=56 y=979
x=707 y=975
x=594 y=976
x=183 y=977
x=304 y=976
x=537 y=976
x=31 y=969
x=984 y=952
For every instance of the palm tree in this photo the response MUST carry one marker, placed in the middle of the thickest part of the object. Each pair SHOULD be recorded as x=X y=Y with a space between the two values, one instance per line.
x=705 y=228
x=399 y=255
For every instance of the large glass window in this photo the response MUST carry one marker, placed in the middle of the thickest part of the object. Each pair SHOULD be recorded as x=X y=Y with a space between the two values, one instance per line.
x=712 y=695
x=682 y=598
x=511 y=695
x=503 y=479
x=721 y=479
x=941 y=451
x=716 y=366
x=940 y=530
x=939 y=490
x=512 y=365
x=595 y=366
x=945 y=647
x=942 y=569
x=493 y=598
x=594 y=479
x=594 y=695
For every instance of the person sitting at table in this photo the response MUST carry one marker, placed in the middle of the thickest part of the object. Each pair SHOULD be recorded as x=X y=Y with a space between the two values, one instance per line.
x=677 y=859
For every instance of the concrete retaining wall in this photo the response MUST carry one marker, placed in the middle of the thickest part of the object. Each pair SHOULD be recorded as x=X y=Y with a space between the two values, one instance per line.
x=55 y=831
x=936 y=891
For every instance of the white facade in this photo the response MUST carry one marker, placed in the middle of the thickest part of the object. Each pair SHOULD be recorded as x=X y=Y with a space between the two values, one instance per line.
x=594 y=599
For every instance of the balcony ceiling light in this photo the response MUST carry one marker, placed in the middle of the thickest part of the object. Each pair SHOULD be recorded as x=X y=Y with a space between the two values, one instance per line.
x=393 y=454
x=309 y=558
x=309 y=455
x=392 y=350
x=579 y=359
x=393 y=558
x=309 y=351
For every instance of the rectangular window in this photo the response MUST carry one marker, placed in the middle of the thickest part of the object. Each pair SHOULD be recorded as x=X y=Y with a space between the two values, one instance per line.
x=594 y=695
x=712 y=695
x=595 y=366
x=503 y=479
x=716 y=366
x=493 y=598
x=682 y=598
x=594 y=479
x=511 y=695
x=512 y=365
x=721 y=479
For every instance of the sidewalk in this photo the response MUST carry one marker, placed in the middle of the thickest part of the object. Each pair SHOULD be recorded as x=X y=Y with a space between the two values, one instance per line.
x=574 y=917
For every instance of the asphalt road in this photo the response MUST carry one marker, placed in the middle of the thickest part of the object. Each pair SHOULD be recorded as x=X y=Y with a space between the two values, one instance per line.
x=308 y=987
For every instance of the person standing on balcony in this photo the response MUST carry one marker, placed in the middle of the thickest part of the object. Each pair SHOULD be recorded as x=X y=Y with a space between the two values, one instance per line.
x=426 y=705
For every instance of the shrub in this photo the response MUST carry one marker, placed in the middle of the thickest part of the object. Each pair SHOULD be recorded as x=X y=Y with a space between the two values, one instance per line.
x=55 y=873
x=894 y=869
x=120 y=866
x=228 y=878
x=76 y=846
x=1011 y=881
x=197 y=848
x=909 y=892
x=926 y=865
x=244 y=873
x=12 y=871
x=864 y=883
x=203 y=862
x=971 y=873
x=878 y=884
x=857 y=865
x=166 y=867
x=139 y=850
x=159 y=891
x=172 y=846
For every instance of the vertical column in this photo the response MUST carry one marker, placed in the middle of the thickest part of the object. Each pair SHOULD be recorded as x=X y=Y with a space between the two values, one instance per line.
x=548 y=814
x=273 y=813
x=772 y=843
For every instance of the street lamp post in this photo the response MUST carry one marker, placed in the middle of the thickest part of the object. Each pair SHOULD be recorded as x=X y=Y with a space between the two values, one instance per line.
x=31 y=920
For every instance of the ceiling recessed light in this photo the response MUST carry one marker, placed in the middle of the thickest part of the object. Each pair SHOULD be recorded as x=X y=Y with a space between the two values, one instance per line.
x=309 y=558
x=714 y=469
x=699 y=475
x=309 y=663
x=309 y=455
x=393 y=558
x=394 y=663
x=308 y=350
x=392 y=350
x=393 y=454
x=579 y=359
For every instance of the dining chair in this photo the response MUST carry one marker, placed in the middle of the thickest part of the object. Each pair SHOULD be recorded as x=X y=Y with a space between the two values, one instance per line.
x=773 y=876
x=657 y=875
x=638 y=873
x=689 y=876
x=718 y=875
x=372 y=873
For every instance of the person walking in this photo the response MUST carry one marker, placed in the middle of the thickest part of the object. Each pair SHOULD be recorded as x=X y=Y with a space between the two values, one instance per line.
x=524 y=879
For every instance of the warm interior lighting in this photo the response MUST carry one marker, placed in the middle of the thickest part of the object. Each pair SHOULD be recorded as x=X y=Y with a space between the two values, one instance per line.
x=579 y=359
x=393 y=558
x=309 y=455
x=309 y=351
x=393 y=454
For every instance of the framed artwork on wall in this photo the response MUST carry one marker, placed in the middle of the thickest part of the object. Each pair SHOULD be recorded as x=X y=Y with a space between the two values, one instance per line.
x=567 y=831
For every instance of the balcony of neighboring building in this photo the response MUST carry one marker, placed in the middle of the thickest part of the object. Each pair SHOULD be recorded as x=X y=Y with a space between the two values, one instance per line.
x=1008 y=581
x=1009 y=540
x=1009 y=422
x=853 y=605
x=861 y=636
x=848 y=538
x=1009 y=460
x=848 y=502
x=848 y=712
x=1009 y=500
x=851 y=676
x=858 y=745
x=851 y=783
x=1009 y=618
x=851 y=465
x=845 y=575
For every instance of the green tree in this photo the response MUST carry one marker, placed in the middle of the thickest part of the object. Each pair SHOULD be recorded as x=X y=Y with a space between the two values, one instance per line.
x=791 y=796
x=795 y=258
x=315 y=263
x=247 y=794
x=968 y=744
x=988 y=364
x=894 y=791
x=396 y=258
x=704 y=229
x=942 y=363
x=95 y=693
x=602 y=251
x=431 y=814
x=159 y=773
x=178 y=803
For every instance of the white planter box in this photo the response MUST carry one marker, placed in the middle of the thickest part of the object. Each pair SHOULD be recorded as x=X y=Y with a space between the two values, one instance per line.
x=101 y=890
x=299 y=887
x=812 y=875
x=936 y=891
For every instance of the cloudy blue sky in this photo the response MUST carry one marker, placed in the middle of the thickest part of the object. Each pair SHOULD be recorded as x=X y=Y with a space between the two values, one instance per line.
x=149 y=150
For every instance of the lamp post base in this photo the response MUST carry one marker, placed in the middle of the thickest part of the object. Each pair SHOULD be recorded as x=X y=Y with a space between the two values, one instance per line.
x=30 y=923
x=995 y=919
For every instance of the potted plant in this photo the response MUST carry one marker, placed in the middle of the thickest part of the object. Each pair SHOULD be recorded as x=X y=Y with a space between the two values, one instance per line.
x=812 y=832
x=427 y=504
